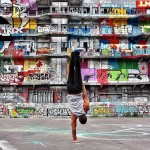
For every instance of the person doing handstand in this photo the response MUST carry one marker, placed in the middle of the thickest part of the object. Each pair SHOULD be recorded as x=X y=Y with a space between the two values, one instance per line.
x=76 y=94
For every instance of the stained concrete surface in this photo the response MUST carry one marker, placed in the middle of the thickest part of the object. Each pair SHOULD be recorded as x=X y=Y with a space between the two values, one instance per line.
x=55 y=134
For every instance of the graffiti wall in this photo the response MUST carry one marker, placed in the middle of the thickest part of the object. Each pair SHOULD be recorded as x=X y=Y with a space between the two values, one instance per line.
x=138 y=107
x=34 y=45
x=19 y=71
x=109 y=106
x=34 y=110
x=114 y=71
x=135 y=41
x=52 y=102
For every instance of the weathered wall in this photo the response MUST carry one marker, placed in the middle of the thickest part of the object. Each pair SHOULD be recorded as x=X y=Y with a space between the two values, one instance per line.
x=139 y=107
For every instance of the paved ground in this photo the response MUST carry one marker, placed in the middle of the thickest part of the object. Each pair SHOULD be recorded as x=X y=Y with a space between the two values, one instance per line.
x=55 y=134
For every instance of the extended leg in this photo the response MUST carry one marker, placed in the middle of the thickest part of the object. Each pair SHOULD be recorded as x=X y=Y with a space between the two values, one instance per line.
x=78 y=77
x=70 y=81
x=74 y=83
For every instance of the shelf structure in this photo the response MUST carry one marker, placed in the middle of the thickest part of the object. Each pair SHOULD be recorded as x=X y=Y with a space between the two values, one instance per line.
x=35 y=56
x=62 y=33
x=95 y=56
x=36 y=40
x=68 y=13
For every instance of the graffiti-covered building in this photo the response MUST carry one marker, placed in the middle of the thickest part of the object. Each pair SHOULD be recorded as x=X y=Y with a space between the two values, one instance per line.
x=36 y=38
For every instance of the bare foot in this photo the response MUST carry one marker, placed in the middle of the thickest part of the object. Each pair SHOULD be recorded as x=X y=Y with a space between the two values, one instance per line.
x=76 y=141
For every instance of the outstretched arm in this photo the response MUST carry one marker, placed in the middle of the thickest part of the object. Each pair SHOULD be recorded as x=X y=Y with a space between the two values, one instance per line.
x=86 y=100
x=74 y=125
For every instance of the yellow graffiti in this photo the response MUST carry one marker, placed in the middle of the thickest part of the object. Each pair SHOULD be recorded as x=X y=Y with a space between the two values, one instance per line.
x=26 y=23
x=17 y=22
x=31 y=24
x=69 y=50
x=117 y=22
x=101 y=110
x=119 y=11
x=26 y=65
x=14 y=114
x=15 y=12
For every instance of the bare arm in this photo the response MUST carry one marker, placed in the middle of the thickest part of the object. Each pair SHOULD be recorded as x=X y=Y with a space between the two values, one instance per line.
x=84 y=92
x=67 y=71
x=74 y=125
x=86 y=100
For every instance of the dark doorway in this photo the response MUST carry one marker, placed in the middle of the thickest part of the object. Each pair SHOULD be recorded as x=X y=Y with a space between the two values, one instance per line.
x=85 y=45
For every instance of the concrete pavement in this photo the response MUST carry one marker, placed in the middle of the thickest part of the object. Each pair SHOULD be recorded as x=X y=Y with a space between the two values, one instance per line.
x=55 y=134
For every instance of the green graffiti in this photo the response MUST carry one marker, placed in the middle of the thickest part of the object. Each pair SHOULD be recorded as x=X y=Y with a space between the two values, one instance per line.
x=146 y=29
x=25 y=110
x=106 y=52
x=118 y=75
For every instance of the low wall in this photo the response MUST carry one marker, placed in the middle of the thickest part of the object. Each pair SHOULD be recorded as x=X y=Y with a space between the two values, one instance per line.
x=112 y=109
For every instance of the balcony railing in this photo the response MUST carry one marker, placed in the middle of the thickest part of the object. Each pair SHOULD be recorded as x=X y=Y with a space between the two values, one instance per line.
x=82 y=12
x=125 y=31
